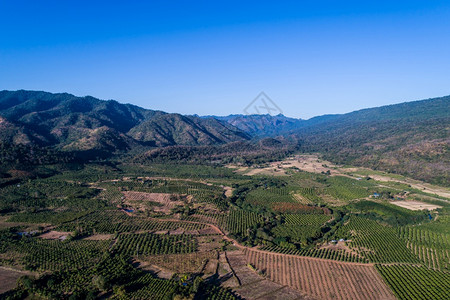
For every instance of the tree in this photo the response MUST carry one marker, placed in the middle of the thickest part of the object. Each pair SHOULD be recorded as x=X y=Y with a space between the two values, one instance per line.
x=119 y=291
x=99 y=282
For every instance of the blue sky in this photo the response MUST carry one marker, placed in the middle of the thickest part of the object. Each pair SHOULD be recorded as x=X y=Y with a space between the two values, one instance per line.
x=214 y=57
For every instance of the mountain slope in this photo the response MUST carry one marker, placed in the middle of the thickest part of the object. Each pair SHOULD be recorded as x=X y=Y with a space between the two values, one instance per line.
x=85 y=123
x=410 y=138
x=175 y=129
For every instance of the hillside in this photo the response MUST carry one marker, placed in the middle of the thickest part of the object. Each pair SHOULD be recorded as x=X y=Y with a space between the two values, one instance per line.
x=409 y=138
x=175 y=129
x=86 y=123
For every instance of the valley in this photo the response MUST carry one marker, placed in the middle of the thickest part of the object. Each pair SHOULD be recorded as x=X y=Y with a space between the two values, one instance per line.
x=156 y=150
x=101 y=200
x=296 y=233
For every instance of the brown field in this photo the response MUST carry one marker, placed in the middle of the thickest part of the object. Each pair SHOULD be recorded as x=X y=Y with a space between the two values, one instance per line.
x=321 y=279
x=54 y=235
x=308 y=163
x=156 y=270
x=209 y=242
x=5 y=224
x=415 y=205
x=251 y=285
x=181 y=263
x=228 y=191
x=226 y=274
x=99 y=237
x=139 y=199
x=8 y=278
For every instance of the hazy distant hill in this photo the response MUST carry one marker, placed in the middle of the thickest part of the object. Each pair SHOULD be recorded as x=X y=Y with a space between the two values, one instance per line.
x=263 y=125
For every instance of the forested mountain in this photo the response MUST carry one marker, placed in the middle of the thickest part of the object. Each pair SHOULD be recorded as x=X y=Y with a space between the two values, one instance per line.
x=85 y=123
x=410 y=138
x=175 y=129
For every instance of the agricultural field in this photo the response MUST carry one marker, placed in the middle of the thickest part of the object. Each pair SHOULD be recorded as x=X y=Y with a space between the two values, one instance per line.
x=162 y=232
x=337 y=280
x=416 y=282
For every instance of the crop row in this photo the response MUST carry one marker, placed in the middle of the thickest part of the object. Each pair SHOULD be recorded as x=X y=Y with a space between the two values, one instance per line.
x=375 y=242
x=310 y=193
x=151 y=244
x=112 y=221
x=304 y=219
x=269 y=196
x=425 y=237
x=56 y=255
x=324 y=253
x=297 y=233
x=150 y=288
x=238 y=221
x=412 y=282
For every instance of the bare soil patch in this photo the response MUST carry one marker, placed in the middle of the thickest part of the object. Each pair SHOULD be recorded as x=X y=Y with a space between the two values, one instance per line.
x=340 y=247
x=5 y=224
x=208 y=243
x=181 y=263
x=99 y=237
x=8 y=278
x=208 y=230
x=156 y=270
x=141 y=200
x=177 y=231
x=416 y=205
x=228 y=191
x=55 y=235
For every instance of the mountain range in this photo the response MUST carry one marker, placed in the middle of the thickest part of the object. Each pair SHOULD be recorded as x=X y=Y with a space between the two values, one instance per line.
x=410 y=138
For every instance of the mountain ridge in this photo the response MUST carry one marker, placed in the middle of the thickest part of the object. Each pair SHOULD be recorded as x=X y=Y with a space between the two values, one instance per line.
x=410 y=138
x=63 y=119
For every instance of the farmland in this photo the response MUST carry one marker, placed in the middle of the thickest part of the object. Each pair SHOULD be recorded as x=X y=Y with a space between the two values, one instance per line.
x=160 y=232
x=338 y=280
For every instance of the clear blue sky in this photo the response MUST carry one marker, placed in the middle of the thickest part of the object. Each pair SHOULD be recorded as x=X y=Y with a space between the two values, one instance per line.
x=214 y=57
